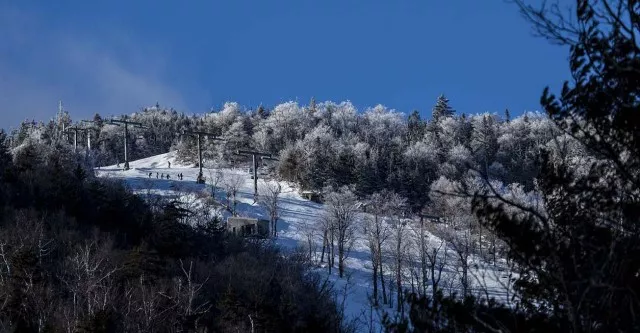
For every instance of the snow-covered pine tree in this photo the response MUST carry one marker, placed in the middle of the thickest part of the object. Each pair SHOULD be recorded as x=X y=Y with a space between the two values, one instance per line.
x=415 y=127
x=442 y=109
x=484 y=142
x=262 y=112
x=312 y=106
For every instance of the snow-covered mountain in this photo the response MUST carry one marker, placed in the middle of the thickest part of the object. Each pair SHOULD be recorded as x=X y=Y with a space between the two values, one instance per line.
x=298 y=227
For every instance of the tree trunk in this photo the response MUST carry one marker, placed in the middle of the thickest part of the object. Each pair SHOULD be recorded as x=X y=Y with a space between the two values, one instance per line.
x=434 y=284
x=341 y=257
x=384 y=287
x=399 y=271
x=324 y=246
x=375 y=281
x=399 y=284
x=423 y=258
x=465 y=271
x=331 y=258
x=310 y=244
x=274 y=226
x=480 y=240
x=493 y=249
x=332 y=249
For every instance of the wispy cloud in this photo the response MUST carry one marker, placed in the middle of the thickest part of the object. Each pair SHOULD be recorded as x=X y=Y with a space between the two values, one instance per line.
x=111 y=74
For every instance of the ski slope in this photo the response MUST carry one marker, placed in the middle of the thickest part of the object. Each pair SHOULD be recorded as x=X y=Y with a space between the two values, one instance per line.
x=298 y=220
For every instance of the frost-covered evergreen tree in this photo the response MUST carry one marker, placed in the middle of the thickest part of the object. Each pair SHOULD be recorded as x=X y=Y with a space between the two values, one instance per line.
x=484 y=142
x=415 y=127
x=442 y=109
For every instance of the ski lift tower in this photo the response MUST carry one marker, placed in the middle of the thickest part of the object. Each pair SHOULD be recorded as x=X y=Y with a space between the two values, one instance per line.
x=75 y=130
x=254 y=165
x=199 y=135
x=88 y=131
x=126 y=124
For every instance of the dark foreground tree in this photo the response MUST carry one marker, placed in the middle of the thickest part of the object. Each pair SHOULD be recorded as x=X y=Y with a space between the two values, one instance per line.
x=579 y=261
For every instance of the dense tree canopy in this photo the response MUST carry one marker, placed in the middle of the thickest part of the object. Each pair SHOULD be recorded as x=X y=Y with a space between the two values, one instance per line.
x=333 y=144
x=577 y=257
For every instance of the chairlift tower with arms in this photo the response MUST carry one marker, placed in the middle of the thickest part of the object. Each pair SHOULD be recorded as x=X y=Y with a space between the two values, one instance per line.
x=254 y=164
x=126 y=124
x=199 y=136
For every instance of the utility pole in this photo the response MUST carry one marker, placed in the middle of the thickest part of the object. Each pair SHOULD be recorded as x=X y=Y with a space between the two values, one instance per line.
x=126 y=123
x=199 y=135
x=253 y=155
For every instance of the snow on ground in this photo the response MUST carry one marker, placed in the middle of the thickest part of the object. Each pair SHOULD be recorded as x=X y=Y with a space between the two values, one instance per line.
x=298 y=218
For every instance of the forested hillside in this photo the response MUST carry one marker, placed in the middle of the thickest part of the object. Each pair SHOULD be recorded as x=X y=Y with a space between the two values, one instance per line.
x=83 y=254
x=549 y=203
x=401 y=167
x=335 y=144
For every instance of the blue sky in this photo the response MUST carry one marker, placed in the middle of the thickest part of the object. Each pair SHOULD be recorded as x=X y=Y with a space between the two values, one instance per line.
x=116 y=56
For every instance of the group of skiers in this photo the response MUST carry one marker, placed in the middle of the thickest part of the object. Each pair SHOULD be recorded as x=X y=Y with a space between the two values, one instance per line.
x=162 y=176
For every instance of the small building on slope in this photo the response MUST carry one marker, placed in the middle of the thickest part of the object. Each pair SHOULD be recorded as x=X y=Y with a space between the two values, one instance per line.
x=248 y=227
